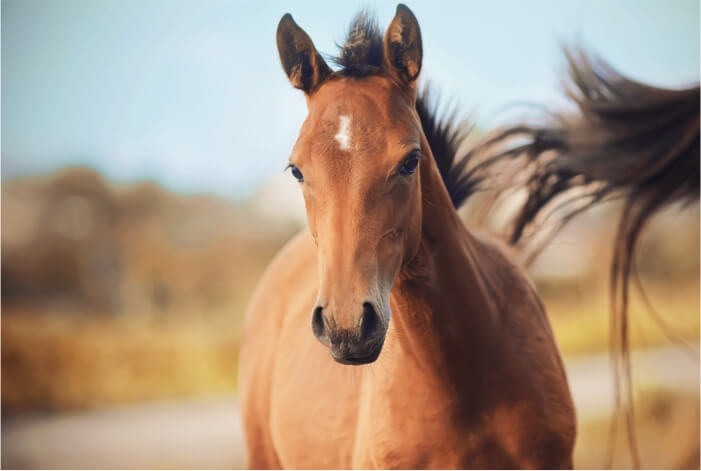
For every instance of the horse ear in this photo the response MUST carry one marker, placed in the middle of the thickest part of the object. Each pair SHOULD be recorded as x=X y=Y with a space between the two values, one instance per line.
x=303 y=65
x=403 y=49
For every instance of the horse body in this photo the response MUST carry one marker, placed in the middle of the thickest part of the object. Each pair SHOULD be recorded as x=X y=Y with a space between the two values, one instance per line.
x=469 y=376
x=466 y=374
x=434 y=350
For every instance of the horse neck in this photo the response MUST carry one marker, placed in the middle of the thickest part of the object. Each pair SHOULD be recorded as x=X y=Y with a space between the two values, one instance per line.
x=446 y=317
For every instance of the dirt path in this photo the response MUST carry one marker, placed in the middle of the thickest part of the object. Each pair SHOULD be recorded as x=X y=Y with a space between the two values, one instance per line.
x=179 y=434
x=207 y=433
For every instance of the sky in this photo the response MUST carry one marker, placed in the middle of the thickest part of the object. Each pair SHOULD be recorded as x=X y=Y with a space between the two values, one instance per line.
x=191 y=94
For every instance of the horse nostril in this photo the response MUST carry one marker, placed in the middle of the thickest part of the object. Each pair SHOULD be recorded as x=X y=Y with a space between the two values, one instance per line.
x=318 y=322
x=370 y=323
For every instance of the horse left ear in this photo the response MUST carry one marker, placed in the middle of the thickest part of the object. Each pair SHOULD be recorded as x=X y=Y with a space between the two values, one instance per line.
x=303 y=65
x=403 y=49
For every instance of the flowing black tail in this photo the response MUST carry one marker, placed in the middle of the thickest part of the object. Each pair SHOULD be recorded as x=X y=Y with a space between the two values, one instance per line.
x=623 y=139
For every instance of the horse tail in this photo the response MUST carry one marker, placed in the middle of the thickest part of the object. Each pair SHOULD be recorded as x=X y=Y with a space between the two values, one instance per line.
x=621 y=139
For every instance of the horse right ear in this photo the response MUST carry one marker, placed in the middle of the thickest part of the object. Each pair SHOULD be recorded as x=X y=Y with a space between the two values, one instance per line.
x=303 y=65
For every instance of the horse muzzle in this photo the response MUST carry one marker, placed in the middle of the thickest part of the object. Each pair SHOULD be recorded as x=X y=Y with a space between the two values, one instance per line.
x=359 y=345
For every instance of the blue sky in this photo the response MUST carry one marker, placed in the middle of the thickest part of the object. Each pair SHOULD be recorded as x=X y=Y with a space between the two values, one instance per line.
x=191 y=94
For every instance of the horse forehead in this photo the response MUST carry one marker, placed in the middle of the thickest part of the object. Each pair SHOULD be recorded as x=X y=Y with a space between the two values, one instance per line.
x=360 y=110
x=353 y=124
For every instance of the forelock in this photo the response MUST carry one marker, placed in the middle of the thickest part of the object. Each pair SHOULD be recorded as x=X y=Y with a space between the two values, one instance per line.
x=362 y=51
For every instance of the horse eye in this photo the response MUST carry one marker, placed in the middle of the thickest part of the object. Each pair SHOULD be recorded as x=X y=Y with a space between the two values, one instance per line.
x=409 y=165
x=297 y=173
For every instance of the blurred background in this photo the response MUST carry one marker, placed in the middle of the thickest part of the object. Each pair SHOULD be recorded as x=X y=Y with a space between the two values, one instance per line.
x=143 y=144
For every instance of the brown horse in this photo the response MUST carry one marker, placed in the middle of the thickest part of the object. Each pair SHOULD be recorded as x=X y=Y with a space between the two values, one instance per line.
x=432 y=348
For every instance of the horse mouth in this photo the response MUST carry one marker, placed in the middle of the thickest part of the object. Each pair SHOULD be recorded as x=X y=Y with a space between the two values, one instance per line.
x=358 y=360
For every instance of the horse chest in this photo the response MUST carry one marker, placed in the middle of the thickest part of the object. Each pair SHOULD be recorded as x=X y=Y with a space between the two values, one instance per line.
x=343 y=419
x=398 y=443
x=409 y=424
x=410 y=438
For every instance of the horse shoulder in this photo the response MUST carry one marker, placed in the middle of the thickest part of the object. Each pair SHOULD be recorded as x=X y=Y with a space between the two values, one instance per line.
x=287 y=274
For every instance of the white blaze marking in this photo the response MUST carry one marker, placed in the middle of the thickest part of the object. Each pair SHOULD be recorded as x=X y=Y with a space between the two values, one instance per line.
x=343 y=136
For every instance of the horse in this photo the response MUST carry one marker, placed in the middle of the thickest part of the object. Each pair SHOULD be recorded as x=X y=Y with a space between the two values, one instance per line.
x=429 y=345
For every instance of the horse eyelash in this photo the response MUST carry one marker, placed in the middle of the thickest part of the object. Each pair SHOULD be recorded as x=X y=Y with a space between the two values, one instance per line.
x=416 y=153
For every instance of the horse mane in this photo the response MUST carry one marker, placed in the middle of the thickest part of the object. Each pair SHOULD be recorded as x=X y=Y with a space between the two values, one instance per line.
x=361 y=55
x=446 y=136
x=624 y=138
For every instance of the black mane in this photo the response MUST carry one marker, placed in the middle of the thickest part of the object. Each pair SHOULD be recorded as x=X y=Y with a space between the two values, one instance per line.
x=361 y=55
